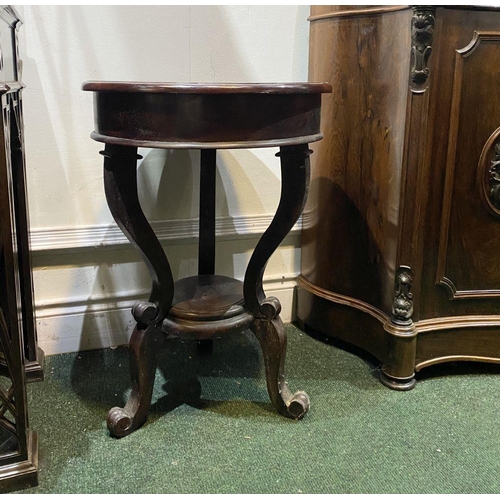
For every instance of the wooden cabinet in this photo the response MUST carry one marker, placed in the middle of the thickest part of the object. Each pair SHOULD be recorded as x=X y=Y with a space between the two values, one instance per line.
x=401 y=234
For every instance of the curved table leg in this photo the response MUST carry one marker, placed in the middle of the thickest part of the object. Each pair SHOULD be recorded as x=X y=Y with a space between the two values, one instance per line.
x=143 y=348
x=267 y=324
x=120 y=184
x=272 y=338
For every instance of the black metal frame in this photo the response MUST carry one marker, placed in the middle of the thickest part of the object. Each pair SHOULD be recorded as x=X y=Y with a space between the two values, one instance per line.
x=20 y=358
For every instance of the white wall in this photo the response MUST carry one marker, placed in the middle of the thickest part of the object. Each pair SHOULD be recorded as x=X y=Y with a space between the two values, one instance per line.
x=85 y=275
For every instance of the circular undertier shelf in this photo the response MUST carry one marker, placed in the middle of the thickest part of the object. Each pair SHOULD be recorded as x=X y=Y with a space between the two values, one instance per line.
x=207 y=298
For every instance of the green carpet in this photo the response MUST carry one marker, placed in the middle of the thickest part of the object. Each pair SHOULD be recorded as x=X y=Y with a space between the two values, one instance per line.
x=358 y=437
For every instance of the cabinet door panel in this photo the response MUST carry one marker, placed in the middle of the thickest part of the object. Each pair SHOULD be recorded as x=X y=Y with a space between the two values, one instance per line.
x=469 y=246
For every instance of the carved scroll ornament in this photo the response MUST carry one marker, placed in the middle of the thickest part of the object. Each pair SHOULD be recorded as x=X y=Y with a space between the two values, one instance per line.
x=488 y=174
x=422 y=33
x=402 y=308
x=494 y=178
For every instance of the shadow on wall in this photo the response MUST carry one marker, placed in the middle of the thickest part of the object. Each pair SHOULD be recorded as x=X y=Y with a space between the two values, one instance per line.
x=347 y=264
x=168 y=184
x=168 y=180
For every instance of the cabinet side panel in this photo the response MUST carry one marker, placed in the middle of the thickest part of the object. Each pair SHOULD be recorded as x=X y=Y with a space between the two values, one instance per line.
x=351 y=219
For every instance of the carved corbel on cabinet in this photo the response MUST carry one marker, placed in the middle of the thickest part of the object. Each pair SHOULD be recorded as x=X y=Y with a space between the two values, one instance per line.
x=402 y=335
x=422 y=34
x=402 y=307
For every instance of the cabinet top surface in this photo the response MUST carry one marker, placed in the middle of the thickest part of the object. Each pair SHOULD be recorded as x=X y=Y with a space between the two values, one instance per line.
x=321 y=12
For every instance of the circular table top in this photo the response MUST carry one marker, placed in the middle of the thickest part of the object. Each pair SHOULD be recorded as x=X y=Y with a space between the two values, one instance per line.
x=206 y=115
x=208 y=88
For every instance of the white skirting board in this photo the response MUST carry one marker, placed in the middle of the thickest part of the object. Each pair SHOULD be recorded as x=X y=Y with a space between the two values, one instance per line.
x=77 y=326
x=72 y=316
x=173 y=232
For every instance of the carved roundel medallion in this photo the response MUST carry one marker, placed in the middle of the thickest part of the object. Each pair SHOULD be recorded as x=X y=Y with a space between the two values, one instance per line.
x=488 y=173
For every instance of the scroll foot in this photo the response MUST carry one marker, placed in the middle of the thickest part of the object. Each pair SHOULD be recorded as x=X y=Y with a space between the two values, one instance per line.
x=119 y=422
x=298 y=405
x=142 y=358
x=272 y=338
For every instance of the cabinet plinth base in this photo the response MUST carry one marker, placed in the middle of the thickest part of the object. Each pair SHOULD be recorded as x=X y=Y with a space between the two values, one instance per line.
x=398 y=384
x=437 y=340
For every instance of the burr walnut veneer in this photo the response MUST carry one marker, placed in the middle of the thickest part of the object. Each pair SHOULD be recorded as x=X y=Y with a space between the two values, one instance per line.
x=206 y=117
x=401 y=239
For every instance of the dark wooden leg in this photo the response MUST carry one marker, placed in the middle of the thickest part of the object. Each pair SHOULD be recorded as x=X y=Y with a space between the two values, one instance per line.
x=206 y=248
x=272 y=338
x=142 y=357
x=294 y=185
x=120 y=185
x=267 y=324
x=120 y=182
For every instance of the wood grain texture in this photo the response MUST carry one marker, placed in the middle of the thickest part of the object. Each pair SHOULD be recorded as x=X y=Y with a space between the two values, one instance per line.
x=468 y=343
x=143 y=349
x=421 y=197
x=120 y=186
x=207 y=297
x=351 y=220
x=452 y=338
x=272 y=338
x=207 y=88
x=469 y=239
x=206 y=115
x=295 y=173
x=456 y=216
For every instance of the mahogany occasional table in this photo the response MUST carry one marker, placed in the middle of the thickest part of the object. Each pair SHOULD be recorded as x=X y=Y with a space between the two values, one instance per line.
x=206 y=117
